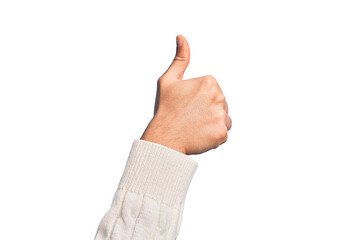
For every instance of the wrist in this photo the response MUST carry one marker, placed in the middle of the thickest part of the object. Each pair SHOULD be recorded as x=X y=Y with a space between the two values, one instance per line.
x=163 y=143
x=159 y=132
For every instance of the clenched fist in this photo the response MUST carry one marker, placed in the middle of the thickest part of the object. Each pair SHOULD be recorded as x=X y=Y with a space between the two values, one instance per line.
x=190 y=116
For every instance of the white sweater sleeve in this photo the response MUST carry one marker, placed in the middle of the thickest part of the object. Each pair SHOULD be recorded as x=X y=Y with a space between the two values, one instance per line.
x=149 y=201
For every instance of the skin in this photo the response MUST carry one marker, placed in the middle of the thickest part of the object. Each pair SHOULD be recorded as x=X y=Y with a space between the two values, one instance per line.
x=190 y=116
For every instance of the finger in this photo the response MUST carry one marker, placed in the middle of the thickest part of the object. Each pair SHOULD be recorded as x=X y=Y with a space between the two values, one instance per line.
x=181 y=61
x=228 y=122
x=226 y=107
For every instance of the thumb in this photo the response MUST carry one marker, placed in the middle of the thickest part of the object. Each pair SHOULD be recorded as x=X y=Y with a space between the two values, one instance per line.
x=181 y=60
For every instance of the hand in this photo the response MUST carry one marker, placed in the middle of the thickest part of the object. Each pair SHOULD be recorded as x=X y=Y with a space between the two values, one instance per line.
x=190 y=116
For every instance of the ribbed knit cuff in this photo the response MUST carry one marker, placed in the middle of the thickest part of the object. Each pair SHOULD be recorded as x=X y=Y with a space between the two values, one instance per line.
x=158 y=171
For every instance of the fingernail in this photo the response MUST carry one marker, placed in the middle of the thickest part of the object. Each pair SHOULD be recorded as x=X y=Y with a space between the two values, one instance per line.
x=178 y=41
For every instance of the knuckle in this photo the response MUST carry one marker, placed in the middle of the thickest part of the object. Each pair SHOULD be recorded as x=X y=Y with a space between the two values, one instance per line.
x=225 y=138
x=208 y=80
x=210 y=77
x=181 y=59
x=222 y=133
x=230 y=122
x=219 y=98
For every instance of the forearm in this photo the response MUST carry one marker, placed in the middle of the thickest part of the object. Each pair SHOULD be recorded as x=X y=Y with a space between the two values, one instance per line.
x=149 y=201
x=191 y=117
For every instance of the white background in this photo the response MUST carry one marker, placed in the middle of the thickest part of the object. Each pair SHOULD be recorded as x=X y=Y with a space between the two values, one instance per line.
x=77 y=86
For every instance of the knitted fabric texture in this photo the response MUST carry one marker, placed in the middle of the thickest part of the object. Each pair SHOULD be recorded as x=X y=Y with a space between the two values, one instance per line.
x=149 y=201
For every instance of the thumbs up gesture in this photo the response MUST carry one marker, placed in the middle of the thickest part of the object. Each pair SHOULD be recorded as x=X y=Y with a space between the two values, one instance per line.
x=190 y=116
